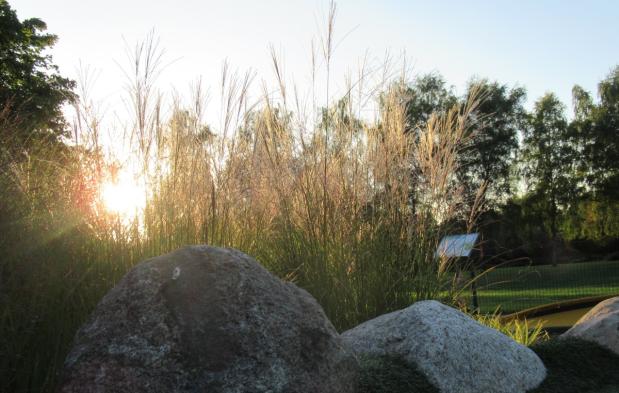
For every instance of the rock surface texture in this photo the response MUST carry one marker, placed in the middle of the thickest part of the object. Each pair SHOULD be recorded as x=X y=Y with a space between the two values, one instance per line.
x=600 y=324
x=456 y=353
x=206 y=319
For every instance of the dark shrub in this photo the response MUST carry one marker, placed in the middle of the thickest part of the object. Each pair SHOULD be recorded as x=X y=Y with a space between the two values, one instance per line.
x=577 y=366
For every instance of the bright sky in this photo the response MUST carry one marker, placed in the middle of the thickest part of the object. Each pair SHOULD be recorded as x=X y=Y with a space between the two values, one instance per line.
x=543 y=45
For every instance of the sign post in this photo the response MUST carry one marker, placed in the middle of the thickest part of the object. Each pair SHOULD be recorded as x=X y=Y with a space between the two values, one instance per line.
x=460 y=247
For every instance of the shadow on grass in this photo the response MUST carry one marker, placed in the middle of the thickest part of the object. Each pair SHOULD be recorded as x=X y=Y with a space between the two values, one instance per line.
x=577 y=366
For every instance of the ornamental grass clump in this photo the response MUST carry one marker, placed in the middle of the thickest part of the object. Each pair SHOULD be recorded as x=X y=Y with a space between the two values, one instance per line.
x=337 y=193
x=520 y=331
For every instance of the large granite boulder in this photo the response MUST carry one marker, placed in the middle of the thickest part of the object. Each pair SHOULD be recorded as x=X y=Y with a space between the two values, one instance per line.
x=600 y=324
x=206 y=319
x=456 y=353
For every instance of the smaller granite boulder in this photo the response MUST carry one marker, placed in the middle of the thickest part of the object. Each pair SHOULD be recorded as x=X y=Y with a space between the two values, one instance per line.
x=456 y=353
x=600 y=324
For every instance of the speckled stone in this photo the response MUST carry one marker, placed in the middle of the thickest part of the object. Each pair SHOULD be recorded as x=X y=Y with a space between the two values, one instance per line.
x=456 y=353
x=206 y=319
x=600 y=324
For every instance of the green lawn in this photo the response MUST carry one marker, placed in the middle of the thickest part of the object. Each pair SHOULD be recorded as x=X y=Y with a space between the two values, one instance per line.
x=517 y=288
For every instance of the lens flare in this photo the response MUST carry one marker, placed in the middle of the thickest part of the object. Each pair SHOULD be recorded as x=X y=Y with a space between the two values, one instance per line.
x=125 y=197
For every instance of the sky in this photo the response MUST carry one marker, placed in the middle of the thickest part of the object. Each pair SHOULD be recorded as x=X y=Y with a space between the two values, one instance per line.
x=545 y=46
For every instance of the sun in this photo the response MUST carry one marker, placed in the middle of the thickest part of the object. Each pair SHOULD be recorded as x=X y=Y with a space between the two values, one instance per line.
x=125 y=197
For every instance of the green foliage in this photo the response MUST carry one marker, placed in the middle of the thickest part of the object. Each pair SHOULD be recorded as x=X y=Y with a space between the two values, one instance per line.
x=500 y=115
x=489 y=159
x=31 y=90
x=569 y=168
x=50 y=275
x=596 y=127
x=427 y=94
x=577 y=366
x=592 y=217
x=572 y=171
x=518 y=330
x=549 y=159
x=595 y=219
x=390 y=374
x=603 y=139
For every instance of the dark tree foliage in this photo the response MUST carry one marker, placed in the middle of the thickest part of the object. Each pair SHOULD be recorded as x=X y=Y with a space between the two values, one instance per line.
x=31 y=90
x=598 y=128
x=427 y=94
x=500 y=117
x=549 y=158
x=592 y=220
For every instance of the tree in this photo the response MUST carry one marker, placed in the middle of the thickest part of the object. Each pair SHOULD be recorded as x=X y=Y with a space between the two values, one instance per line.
x=31 y=90
x=595 y=128
x=602 y=138
x=31 y=97
x=427 y=94
x=582 y=103
x=549 y=160
x=500 y=117
x=580 y=132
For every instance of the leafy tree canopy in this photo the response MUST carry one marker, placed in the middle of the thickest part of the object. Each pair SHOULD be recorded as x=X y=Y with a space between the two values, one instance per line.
x=31 y=90
x=549 y=157
x=500 y=117
x=601 y=132
x=427 y=94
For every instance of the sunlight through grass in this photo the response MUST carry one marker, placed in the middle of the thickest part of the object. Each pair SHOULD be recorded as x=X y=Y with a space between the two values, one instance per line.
x=126 y=196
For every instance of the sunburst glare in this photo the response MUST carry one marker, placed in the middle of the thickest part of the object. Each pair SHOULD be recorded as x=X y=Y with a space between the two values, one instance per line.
x=126 y=196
